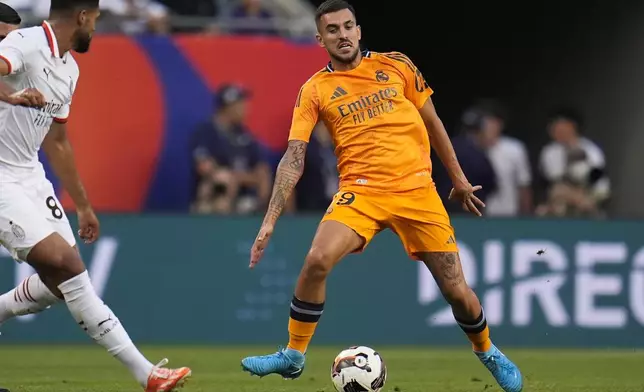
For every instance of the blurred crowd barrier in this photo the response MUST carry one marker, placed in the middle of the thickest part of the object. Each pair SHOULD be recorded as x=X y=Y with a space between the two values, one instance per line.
x=131 y=130
x=543 y=283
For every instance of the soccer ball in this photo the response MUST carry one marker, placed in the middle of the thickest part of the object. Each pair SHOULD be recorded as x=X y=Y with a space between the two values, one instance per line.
x=359 y=369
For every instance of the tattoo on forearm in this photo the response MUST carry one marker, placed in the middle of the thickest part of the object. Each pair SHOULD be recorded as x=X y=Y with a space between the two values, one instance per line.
x=298 y=151
x=288 y=174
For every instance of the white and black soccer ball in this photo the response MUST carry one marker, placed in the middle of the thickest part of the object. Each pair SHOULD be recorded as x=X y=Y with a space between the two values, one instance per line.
x=359 y=369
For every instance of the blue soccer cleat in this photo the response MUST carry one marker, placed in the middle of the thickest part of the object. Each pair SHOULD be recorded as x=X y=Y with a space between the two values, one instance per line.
x=505 y=372
x=287 y=363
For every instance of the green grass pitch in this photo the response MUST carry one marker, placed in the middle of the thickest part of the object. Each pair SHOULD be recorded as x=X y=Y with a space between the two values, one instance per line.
x=89 y=369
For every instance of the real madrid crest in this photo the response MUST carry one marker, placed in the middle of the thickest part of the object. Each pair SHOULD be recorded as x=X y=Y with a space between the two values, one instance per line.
x=381 y=76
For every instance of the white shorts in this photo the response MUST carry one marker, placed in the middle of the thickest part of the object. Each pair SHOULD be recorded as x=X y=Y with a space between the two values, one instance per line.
x=29 y=213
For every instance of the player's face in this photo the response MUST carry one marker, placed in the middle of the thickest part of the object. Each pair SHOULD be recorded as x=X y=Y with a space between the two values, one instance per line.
x=6 y=28
x=339 y=34
x=562 y=131
x=86 y=26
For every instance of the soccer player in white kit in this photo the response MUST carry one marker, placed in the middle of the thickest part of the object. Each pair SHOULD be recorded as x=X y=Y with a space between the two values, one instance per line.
x=38 y=65
x=9 y=21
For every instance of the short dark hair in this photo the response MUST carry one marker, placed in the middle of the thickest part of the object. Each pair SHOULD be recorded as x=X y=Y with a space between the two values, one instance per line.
x=330 y=6
x=568 y=114
x=70 y=5
x=9 y=15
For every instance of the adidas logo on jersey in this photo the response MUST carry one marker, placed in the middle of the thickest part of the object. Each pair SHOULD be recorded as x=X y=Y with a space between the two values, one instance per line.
x=339 y=91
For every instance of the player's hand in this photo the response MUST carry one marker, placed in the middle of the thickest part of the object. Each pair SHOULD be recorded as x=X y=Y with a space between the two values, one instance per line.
x=88 y=224
x=29 y=97
x=465 y=194
x=257 y=251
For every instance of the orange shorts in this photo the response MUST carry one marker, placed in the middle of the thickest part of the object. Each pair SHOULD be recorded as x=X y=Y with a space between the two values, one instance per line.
x=418 y=217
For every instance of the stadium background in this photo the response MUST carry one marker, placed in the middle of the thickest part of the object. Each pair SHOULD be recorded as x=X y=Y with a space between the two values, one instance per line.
x=139 y=98
x=150 y=96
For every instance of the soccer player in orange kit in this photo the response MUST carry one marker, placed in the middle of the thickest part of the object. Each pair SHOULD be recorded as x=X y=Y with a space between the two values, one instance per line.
x=378 y=109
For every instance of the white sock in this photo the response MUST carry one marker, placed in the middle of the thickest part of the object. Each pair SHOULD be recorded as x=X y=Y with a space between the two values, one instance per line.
x=103 y=326
x=30 y=296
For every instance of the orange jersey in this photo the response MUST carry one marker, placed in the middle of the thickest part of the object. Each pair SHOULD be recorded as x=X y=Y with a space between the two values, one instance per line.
x=372 y=114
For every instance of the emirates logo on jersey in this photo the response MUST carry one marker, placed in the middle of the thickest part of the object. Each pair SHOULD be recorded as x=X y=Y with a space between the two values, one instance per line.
x=368 y=106
x=367 y=101
x=52 y=108
x=46 y=113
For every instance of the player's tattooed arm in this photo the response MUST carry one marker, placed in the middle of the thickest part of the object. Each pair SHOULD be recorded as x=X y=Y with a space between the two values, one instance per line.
x=61 y=157
x=289 y=172
x=441 y=142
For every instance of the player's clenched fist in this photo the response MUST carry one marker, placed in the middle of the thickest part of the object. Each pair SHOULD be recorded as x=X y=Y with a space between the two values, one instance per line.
x=257 y=251
x=89 y=228
x=29 y=97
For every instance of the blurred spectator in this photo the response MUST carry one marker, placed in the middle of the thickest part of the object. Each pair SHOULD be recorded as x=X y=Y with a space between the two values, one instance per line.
x=129 y=16
x=250 y=17
x=38 y=9
x=231 y=172
x=510 y=161
x=182 y=9
x=574 y=168
x=319 y=182
x=472 y=155
x=136 y=16
x=9 y=20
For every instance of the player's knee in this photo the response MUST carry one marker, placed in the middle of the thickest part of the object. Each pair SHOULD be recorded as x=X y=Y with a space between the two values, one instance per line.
x=318 y=264
x=64 y=265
